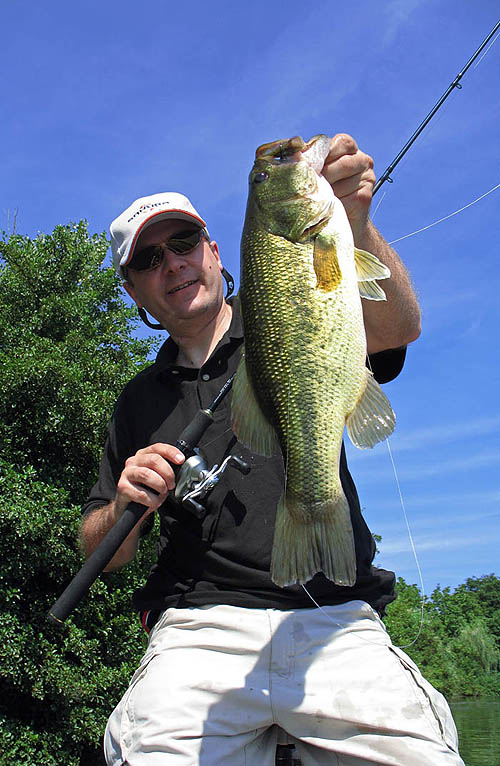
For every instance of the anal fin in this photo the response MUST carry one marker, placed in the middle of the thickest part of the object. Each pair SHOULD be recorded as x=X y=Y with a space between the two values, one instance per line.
x=373 y=419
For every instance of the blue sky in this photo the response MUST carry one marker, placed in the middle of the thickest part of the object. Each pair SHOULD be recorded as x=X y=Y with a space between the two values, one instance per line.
x=105 y=102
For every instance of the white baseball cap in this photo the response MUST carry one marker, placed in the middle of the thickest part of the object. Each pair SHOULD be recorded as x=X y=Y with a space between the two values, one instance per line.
x=126 y=229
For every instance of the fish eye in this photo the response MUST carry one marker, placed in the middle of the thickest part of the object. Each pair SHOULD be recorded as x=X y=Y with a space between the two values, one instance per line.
x=260 y=177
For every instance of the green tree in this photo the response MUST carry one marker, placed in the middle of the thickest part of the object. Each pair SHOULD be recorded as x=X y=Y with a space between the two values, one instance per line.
x=487 y=591
x=66 y=350
x=451 y=638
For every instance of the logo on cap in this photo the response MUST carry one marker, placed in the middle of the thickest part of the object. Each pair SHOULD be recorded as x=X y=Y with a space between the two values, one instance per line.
x=148 y=206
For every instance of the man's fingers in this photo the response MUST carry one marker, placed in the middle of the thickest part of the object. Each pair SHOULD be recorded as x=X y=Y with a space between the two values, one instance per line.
x=340 y=145
x=361 y=182
x=148 y=476
x=139 y=484
x=348 y=166
x=156 y=477
x=131 y=493
x=167 y=451
x=150 y=469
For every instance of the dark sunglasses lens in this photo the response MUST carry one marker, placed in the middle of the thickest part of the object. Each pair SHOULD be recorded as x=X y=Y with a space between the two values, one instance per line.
x=146 y=258
x=180 y=244
x=185 y=241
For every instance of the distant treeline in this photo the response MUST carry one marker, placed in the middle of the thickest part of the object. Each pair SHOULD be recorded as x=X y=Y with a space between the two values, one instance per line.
x=66 y=350
x=458 y=644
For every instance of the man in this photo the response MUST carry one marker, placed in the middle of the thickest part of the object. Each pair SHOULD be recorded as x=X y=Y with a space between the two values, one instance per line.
x=230 y=654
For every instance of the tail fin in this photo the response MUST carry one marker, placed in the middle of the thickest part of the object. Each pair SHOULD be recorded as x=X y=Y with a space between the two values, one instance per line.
x=320 y=540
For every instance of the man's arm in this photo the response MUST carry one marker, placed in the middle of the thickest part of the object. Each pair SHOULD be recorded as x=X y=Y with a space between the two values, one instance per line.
x=147 y=478
x=396 y=321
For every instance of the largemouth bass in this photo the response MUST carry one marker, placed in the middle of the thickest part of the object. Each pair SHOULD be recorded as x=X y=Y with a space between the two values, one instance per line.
x=303 y=374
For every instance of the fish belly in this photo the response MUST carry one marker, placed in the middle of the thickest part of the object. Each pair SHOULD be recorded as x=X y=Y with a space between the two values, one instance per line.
x=305 y=356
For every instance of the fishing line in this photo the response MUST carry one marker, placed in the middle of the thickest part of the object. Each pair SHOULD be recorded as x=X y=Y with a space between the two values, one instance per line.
x=338 y=624
x=410 y=535
x=487 y=49
x=216 y=438
x=378 y=205
x=415 y=556
x=444 y=218
x=347 y=625
x=414 y=550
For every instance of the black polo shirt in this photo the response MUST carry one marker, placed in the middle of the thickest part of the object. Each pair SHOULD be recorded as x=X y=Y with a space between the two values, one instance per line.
x=225 y=557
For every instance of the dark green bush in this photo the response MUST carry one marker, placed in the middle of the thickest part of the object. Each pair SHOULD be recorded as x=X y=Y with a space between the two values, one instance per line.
x=66 y=350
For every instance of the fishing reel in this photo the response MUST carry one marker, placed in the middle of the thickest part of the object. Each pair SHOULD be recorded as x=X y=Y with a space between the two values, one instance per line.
x=195 y=480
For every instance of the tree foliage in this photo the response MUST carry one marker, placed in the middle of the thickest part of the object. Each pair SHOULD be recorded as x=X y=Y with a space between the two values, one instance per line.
x=66 y=350
x=458 y=644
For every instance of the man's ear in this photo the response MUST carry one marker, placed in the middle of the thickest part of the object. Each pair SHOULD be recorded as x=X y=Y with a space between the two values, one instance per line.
x=214 y=247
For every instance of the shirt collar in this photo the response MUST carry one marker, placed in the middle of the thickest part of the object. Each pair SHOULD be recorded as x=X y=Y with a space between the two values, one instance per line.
x=167 y=355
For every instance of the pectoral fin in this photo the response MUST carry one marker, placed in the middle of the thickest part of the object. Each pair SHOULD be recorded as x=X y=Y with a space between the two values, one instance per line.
x=326 y=263
x=368 y=269
x=373 y=419
x=248 y=421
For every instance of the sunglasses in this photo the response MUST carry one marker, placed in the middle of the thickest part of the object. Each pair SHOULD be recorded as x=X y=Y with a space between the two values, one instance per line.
x=181 y=243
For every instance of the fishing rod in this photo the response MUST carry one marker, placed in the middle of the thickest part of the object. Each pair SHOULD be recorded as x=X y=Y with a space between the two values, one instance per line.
x=455 y=84
x=194 y=481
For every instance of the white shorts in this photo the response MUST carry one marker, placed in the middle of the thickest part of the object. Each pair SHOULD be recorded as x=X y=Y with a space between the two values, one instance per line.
x=216 y=682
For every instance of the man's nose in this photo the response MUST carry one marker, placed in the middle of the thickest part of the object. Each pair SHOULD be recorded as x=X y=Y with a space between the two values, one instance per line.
x=172 y=261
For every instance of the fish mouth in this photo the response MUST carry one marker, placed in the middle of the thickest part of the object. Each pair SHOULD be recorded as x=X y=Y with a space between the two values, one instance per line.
x=182 y=286
x=295 y=149
x=287 y=150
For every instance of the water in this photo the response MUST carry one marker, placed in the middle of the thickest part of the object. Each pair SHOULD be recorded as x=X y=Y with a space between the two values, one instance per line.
x=478 y=724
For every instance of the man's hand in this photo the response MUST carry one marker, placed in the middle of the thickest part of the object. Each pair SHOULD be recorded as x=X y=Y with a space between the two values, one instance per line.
x=395 y=321
x=147 y=477
x=350 y=172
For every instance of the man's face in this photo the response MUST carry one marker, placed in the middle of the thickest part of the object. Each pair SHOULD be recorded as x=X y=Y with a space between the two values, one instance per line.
x=182 y=288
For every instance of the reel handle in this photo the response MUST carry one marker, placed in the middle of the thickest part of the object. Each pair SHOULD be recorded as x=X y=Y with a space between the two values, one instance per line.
x=240 y=465
x=197 y=509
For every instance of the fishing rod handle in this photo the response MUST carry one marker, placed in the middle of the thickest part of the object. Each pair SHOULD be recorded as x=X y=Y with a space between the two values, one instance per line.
x=193 y=432
x=110 y=543
x=108 y=546
x=95 y=564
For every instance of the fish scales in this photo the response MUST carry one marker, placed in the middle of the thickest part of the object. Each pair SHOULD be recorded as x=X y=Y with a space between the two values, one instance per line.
x=291 y=340
x=303 y=370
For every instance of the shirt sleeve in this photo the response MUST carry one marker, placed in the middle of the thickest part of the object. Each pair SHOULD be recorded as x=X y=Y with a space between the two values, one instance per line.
x=104 y=489
x=118 y=447
x=386 y=365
